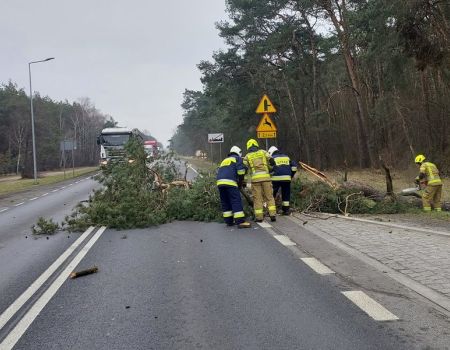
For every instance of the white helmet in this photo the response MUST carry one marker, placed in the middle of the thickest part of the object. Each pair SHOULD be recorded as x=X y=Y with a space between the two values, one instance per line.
x=237 y=150
x=272 y=150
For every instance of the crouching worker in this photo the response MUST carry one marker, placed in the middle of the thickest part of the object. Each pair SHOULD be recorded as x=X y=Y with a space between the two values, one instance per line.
x=430 y=179
x=229 y=178
x=283 y=169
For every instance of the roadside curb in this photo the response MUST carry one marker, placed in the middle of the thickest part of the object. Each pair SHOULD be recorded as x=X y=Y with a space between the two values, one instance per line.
x=386 y=224
x=422 y=290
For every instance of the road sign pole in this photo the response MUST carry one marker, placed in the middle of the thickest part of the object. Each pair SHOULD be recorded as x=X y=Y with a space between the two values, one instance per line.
x=267 y=144
x=212 y=159
x=73 y=160
x=220 y=152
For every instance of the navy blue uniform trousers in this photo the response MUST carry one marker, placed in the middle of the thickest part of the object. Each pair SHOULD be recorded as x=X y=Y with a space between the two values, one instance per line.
x=233 y=211
x=285 y=193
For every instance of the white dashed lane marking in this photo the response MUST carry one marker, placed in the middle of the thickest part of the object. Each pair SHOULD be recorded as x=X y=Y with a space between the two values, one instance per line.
x=284 y=240
x=264 y=224
x=2 y=210
x=19 y=204
x=317 y=266
x=56 y=190
x=45 y=194
x=70 y=185
x=370 y=306
x=33 y=199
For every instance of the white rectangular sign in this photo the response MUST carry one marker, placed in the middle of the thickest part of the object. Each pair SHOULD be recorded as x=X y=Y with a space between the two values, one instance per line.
x=215 y=138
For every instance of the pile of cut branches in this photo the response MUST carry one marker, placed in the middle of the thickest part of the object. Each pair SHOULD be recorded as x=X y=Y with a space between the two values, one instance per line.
x=136 y=193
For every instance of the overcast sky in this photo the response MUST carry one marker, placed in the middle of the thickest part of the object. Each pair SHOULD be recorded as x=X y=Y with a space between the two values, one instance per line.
x=133 y=58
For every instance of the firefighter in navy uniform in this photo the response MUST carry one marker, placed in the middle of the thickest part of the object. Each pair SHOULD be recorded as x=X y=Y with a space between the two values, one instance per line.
x=230 y=177
x=283 y=170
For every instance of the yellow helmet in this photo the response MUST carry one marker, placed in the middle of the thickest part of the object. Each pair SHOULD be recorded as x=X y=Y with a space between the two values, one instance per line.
x=419 y=158
x=252 y=142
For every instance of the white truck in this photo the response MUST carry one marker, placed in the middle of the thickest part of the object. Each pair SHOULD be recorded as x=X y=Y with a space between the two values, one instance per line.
x=112 y=143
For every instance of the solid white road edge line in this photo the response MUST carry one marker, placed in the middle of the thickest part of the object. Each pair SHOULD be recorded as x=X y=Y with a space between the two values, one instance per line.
x=284 y=240
x=195 y=170
x=370 y=306
x=13 y=337
x=45 y=194
x=264 y=224
x=23 y=298
x=33 y=199
x=56 y=190
x=317 y=266
x=1 y=211
x=19 y=204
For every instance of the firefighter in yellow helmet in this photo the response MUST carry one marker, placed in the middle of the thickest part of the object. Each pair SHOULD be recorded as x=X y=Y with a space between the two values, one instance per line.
x=429 y=177
x=257 y=162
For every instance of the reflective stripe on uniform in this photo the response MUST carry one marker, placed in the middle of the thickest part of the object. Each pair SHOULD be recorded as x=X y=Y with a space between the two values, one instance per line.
x=281 y=178
x=228 y=161
x=239 y=214
x=272 y=208
x=438 y=209
x=261 y=175
x=227 y=214
x=294 y=168
x=241 y=172
x=285 y=204
x=259 y=211
x=427 y=208
x=282 y=161
x=226 y=182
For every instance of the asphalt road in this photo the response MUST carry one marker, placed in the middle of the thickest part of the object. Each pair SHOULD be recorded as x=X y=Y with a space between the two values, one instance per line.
x=200 y=286
x=23 y=257
x=183 y=285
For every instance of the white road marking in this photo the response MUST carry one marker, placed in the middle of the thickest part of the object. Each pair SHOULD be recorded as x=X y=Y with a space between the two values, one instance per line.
x=317 y=266
x=284 y=240
x=5 y=209
x=56 y=190
x=264 y=224
x=70 y=185
x=194 y=170
x=62 y=187
x=45 y=194
x=33 y=199
x=370 y=306
x=19 y=204
x=13 y=337
x=23 y=298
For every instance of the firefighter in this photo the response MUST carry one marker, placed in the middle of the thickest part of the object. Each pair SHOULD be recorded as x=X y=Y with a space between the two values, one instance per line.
x=283 y=170
x=429 y=177
x=230 y=177
x=257 y=162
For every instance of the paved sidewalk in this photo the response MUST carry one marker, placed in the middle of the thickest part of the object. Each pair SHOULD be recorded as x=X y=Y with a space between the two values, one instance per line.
x=423 y=257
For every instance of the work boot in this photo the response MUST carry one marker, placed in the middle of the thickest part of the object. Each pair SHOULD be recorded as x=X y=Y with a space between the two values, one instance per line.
x=244 y=224
x=286 y=212
x=273 y=218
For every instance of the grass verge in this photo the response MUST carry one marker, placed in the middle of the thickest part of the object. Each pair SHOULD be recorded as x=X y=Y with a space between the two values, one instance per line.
x=8 y=187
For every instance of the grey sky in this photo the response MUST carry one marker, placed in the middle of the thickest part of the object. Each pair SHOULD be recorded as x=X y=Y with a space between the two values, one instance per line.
x=132 y=58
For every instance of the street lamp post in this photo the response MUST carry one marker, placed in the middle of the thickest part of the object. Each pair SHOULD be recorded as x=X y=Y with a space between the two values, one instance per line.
x=32 y=117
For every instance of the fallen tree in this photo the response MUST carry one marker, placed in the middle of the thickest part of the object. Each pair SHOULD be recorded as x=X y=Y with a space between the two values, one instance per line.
x=356 y=197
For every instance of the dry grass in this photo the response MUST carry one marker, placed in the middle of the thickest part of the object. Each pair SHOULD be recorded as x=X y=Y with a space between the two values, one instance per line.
x=14 y=184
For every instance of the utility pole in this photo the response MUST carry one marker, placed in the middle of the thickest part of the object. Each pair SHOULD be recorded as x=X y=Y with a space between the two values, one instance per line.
x=32 y=117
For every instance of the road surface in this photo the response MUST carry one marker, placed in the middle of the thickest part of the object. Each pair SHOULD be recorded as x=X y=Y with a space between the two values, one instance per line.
x=190 y=285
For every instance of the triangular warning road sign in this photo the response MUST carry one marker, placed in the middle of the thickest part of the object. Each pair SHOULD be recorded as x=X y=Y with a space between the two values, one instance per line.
x=266 y=124
x=265 y=106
